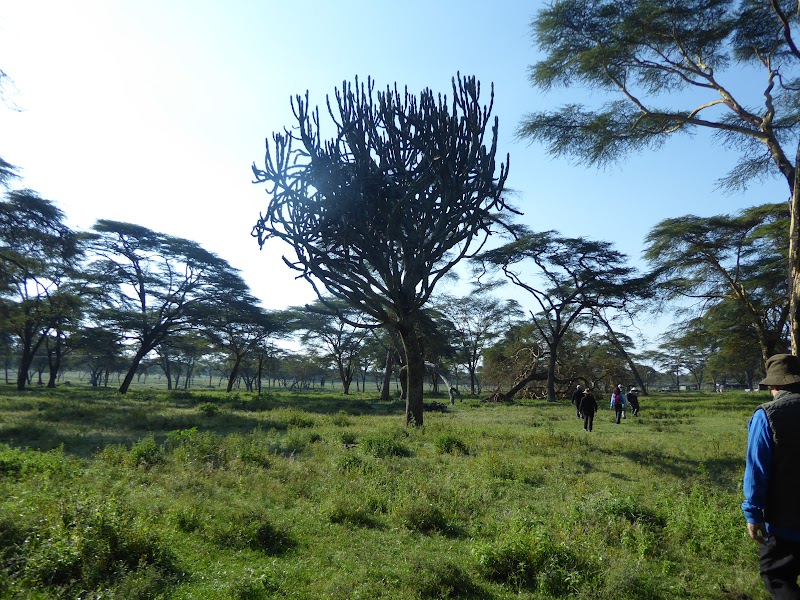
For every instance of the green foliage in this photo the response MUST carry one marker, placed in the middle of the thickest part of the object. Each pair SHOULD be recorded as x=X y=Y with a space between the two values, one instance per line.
x=421 y=514
x=235 y=507
x=209 y=409
x=147 y=453
x=247 y=530
x=533 y=560
x=451 y=444
x=382 y=445
x=438 y=579
x=87 y=543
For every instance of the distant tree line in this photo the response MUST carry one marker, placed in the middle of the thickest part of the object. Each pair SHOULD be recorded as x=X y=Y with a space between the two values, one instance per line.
x=409 y=186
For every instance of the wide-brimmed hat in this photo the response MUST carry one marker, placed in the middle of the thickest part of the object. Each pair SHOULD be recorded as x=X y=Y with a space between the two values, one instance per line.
x=782 y=369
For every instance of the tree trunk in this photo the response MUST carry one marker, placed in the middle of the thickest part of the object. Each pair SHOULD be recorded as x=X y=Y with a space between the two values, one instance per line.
x=137 y=358
x=794 y=258
x=415 y=375
x=386 y=392
x=234 y=374
x=551 y=375
x=532 y=376
x=24 y=365
x=472 y=378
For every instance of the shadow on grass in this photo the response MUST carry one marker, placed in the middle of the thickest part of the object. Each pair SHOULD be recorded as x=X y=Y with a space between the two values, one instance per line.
x=84 y=420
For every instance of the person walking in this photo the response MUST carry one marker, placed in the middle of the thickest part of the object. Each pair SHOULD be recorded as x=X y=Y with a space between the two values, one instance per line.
x=588 y=407
x=618 y=403
x=577 y=395
x=771 y=483
x=633 y=400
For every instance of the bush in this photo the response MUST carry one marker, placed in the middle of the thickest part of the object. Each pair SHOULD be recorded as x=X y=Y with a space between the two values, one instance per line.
x=450 y=444
x=348 y=438
x=248 y=531
x=348 y=512
x=533 y=561
x=436 y=579
x=208 y=409
x=92 y=544
x=146 y=453
x=383 y=446
x=423 y=516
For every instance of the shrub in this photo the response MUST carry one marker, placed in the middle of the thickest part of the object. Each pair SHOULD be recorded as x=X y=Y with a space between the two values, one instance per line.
x=436 y=579
x=248 y=531
x=92 y=544
x=348 y=512
x=423 y=516
x=450 y=444
x=208 y=409
x=348 y=438
x=252 y=586
x=350 y=463
x=534 y=561
x=18 y=463
x=341 y=419
x=146 y=453
x=383 y=446
x=205 y=448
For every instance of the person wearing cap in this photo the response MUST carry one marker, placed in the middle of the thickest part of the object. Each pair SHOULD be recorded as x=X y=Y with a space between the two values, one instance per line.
x=587 y=407
x=772 y=478
x=576 y=399
x=633 y=400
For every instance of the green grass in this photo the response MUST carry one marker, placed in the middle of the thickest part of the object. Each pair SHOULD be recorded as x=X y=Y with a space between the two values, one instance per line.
x=207 y=495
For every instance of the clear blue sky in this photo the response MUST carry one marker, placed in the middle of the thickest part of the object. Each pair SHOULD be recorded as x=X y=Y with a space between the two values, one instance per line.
x=152 y=112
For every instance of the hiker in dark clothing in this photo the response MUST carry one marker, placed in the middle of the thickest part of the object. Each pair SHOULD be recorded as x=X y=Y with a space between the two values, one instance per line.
x=576 y=399
x=633 y=400
x=587 y=407
x=618 y=403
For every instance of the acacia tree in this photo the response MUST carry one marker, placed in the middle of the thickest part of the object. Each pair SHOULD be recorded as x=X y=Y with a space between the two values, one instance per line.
x=238 y=326
x=341 y=334
x=380 y=212
x=39 y=257
x=728 y=258
x=572 y=277
x=155 y=285
x=477 y=320
x=640 y=51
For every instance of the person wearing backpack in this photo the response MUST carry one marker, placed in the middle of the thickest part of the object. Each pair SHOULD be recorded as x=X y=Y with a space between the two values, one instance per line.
x=618 y=403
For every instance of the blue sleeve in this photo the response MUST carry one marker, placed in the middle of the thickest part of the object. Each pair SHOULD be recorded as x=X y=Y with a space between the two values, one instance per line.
x=757 y=467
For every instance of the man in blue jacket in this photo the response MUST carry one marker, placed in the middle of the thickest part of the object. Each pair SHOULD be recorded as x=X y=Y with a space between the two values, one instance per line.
x=772 y=478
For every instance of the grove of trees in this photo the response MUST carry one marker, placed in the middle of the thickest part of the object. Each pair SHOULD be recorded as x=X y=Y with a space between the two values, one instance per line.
x=392 y=193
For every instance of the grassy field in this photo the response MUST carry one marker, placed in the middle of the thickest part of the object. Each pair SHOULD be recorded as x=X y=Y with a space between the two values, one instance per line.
x=203 y=495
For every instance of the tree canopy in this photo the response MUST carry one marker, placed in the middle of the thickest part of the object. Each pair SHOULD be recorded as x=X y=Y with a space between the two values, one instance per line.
x=39 y=256
x=567 y=278
x=642 y=53
x=738 y=258
x=379 y=213
x=155 y=285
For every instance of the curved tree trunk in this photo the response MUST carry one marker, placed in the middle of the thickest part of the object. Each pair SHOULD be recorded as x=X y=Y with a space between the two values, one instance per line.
x=234 y=374
x=126 y=383
x=532 y=376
